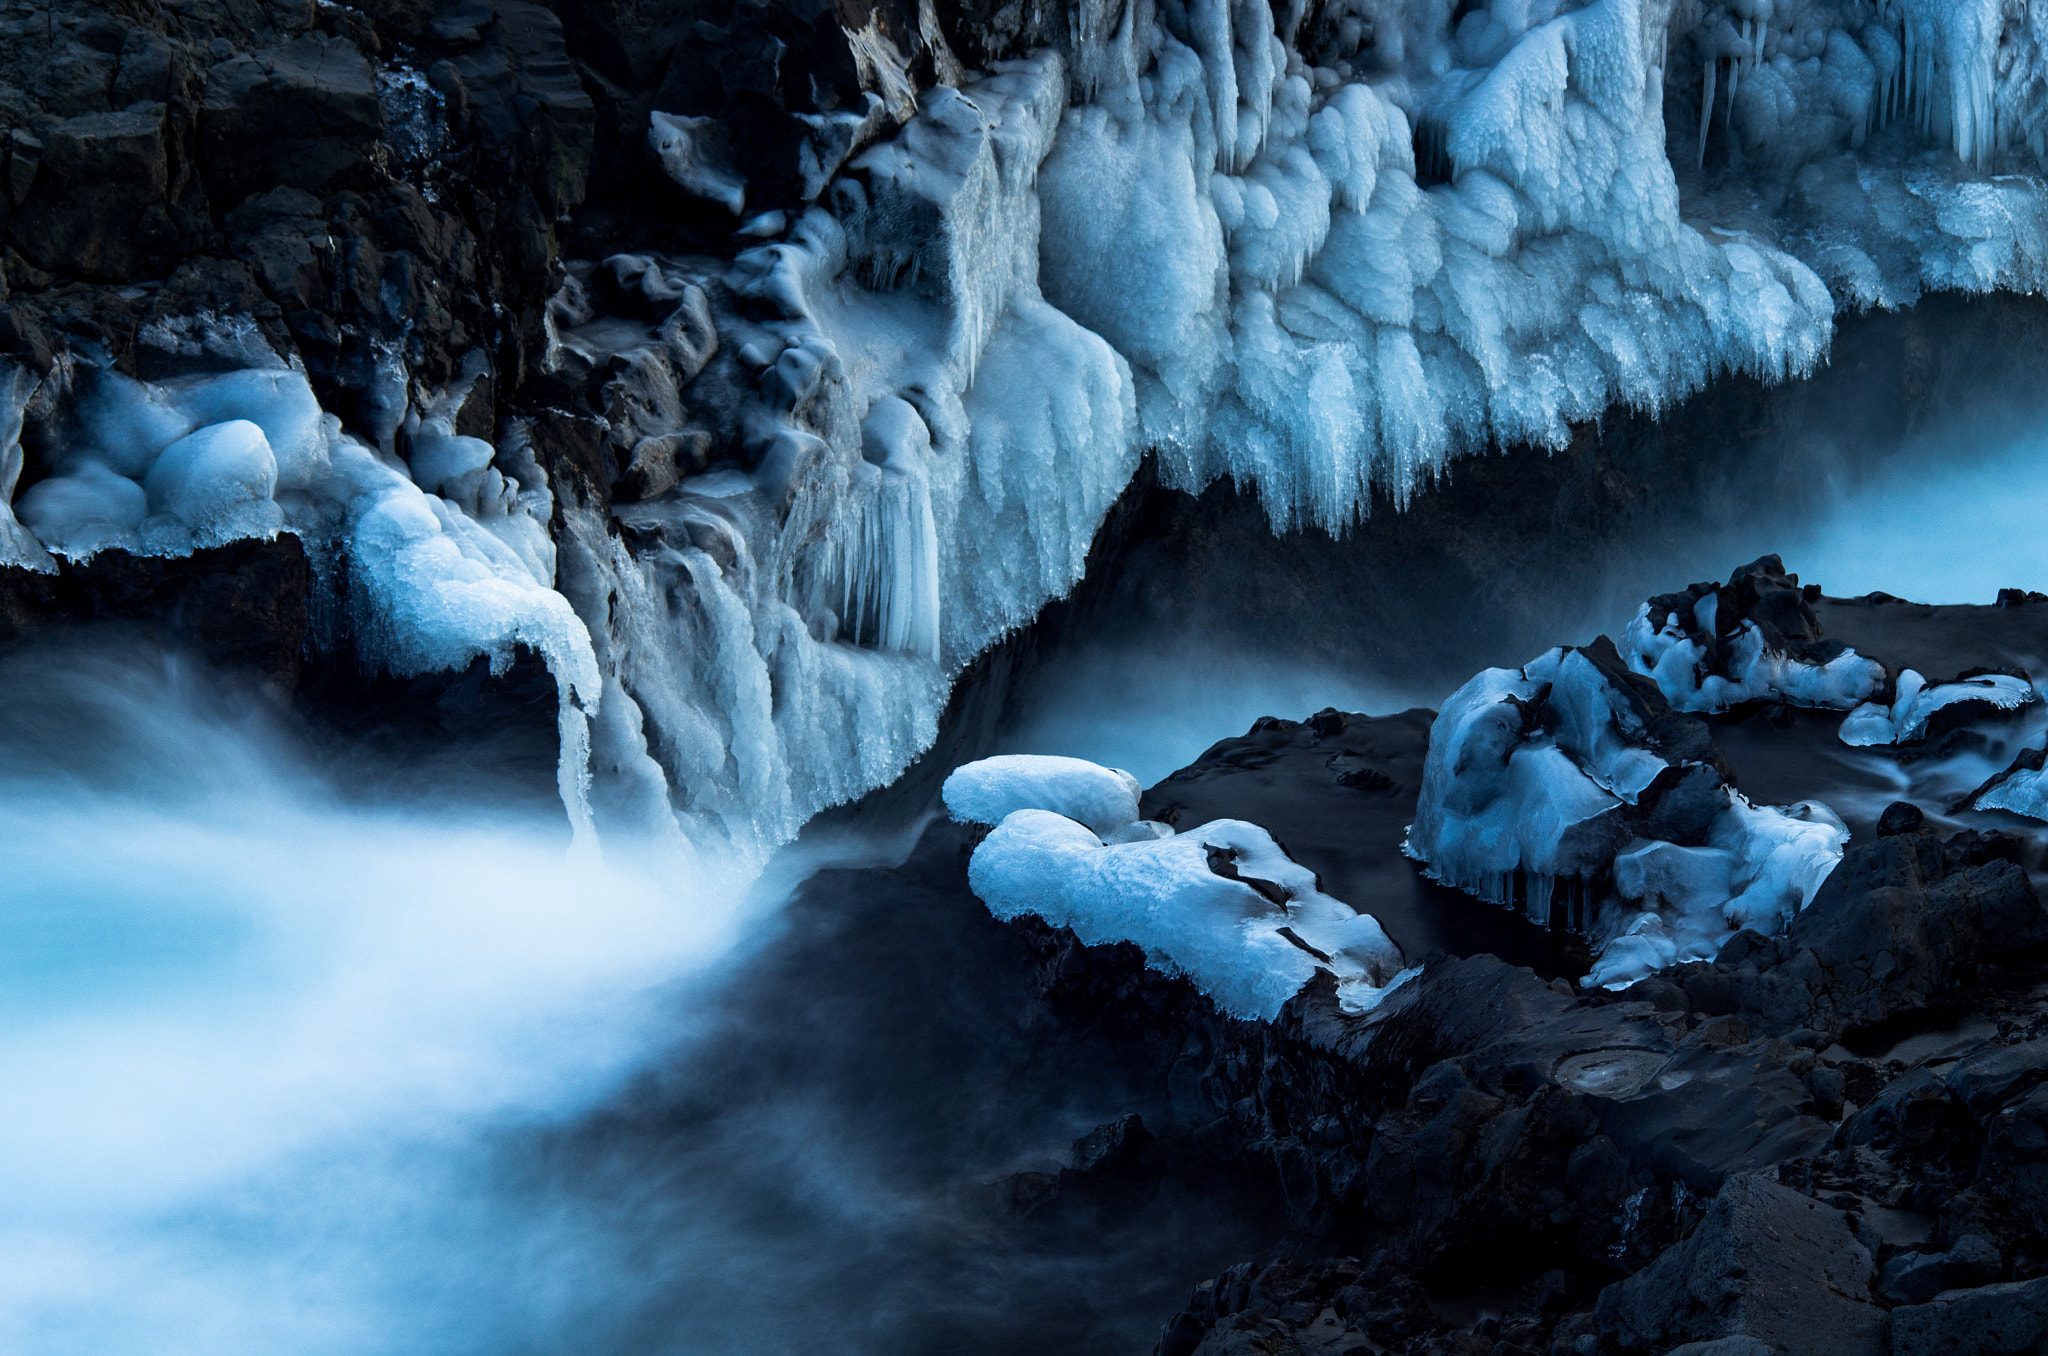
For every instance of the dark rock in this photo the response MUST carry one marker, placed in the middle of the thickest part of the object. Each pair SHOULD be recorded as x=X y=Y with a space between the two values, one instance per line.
x=1915 y=1278
x=97 y=204
x=1997 y=1320
x=1905 y=923
x=300 y=115
x=243 y=605
x=1901 y=816
x=2015 y=1160
x=1767 y=1264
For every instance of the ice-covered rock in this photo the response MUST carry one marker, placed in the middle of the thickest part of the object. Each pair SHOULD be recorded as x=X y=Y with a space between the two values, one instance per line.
x=1569 y=789
x=1222 y=904
x=2021 y=789
x=1754 y=639
x=1917 y=701
x=18 y=545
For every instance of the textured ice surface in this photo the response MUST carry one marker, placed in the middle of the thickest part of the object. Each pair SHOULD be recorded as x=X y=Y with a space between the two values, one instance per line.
x=1249 y=938
x=1917 y=700
x=1104 y=799
x=1658 y=648
x=1559 y=818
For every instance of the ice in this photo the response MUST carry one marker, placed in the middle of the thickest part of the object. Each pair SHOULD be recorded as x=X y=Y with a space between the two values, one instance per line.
x=18 y=545
x=1659 y=648
x=1916 y=700
x=1104 y=799
x=1321 y=254
x=1249 y=946
x=1543 y=791
x=688 y=152
x=218 y=482
x=84 y=510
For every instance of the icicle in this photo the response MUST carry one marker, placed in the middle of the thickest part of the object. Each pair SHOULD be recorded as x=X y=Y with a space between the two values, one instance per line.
x=1734 y=78
x=572 y=775
x=1706 y=111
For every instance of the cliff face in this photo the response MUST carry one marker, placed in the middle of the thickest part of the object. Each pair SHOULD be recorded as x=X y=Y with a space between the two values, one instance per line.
x=756 y=367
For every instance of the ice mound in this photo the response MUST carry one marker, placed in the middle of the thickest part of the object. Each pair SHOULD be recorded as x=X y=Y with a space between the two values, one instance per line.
x=1222 y=904
x=1917 y=701
x=1754 y=639
x=1570 y=790
x=1104 y=799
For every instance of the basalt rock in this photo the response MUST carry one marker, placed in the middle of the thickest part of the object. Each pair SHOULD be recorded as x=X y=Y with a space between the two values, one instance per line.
x=243 y=605
x=1905 y=923
x=1766 y=1263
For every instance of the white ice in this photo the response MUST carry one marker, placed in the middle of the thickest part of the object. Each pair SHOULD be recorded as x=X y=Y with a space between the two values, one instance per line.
x=1499 y=800
x=1658 y=648
x=1249 y=949
x=1105 y=799
x=1916 y=700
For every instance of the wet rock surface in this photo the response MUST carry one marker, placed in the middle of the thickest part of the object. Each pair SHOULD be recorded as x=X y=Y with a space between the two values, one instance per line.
x=1828 y=1140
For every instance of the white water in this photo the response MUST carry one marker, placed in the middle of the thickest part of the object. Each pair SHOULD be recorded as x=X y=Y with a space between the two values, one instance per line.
x=255 y=1036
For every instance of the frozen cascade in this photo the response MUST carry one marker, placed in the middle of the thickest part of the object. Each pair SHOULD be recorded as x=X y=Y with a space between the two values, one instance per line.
x=1319 y=251
x=424 y=582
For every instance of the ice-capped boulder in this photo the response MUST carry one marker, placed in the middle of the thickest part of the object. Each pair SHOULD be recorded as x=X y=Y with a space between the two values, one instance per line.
x=1755 y=638
x=1222 y=903
x=1919 y=707
x=1570 y=790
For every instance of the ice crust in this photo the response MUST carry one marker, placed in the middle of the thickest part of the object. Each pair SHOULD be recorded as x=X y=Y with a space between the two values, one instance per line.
x=1660 y=649
x=1249 y=947
x=1538 y=817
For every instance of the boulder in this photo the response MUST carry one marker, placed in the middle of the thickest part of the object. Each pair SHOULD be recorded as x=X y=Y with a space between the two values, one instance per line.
x=1997 y=1320
x=1916 y=1277
x=1766 y=1263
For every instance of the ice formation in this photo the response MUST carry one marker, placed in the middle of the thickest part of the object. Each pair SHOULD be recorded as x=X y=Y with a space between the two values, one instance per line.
x=431 y=584
x=1222 y=903
x=1569 y=790
x=1917 y=700
x=1754 y=639
x=2021 y=789
x=1102 y=798
x=1319 y=252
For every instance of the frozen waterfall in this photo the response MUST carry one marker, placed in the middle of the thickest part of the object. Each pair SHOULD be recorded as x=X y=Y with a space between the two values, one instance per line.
x=1319 y=253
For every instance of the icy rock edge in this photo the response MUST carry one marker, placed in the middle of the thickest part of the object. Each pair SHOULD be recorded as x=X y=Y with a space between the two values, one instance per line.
x=1222 y=904
x=1569 y=790
x=1319 y=251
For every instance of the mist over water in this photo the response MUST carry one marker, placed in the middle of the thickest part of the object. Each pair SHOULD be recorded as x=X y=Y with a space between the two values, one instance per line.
x=1949 y=513
x=253 y=1032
